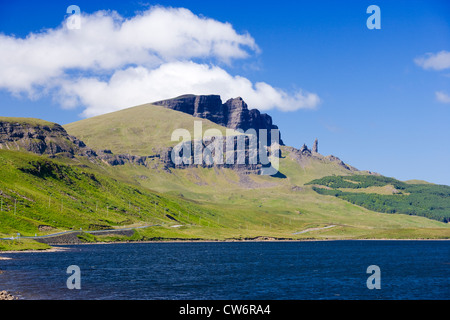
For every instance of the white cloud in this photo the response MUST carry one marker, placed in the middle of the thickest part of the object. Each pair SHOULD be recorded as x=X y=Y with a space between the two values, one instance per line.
x=438 y=61
x=143 y=85
x=107 y=41
x=435 y=61
x=113 y=63
x=442 y=97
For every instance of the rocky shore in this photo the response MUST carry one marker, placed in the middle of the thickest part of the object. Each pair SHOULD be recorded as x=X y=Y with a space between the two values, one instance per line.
x=4 y=295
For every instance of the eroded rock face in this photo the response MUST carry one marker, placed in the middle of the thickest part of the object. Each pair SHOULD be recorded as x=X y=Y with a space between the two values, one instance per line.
x=233 y=114
x=121 y=159
x=304 y=150
x=239 y=117
x=211 y=108
x=53 y=140
x=315 y=148
x=50 y=140
x=238 y=153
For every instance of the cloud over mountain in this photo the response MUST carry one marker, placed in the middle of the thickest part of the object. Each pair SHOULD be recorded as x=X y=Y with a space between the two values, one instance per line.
x=114 y=62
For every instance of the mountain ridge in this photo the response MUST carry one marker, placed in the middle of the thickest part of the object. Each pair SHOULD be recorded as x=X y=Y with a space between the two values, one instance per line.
x=234 y=113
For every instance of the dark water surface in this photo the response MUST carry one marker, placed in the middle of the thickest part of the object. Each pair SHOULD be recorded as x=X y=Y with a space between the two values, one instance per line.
x=234 y=270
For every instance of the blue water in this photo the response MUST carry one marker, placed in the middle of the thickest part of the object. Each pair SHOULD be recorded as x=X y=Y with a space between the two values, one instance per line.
x=234 y=270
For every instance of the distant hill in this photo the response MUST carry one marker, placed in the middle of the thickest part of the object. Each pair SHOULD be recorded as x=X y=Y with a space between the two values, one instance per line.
x=423 y=199
x=146 y=131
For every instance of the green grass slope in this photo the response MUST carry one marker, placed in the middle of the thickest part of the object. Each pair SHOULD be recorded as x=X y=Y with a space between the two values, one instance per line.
x=141 y=130
x=28 y=121
x=40 y=195
x=246 y=205
x=36 y=191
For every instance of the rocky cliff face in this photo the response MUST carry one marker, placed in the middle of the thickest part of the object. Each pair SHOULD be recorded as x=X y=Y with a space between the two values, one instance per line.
x=236 y=154
x=50 y=139
x=233 y=114
x=121 y=159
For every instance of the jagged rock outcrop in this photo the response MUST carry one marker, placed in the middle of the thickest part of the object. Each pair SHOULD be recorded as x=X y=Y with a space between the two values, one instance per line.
x=47 y=138
x=121 y=159
x=315 y=148
x=304 y=154
x=238 y=153
x=233 y=114
x=51 y=139
x=304 y=150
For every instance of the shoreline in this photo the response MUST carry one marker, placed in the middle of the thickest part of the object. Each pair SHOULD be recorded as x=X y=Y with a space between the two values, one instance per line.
x=52 y=249
x=63 y=246
x=57 y=247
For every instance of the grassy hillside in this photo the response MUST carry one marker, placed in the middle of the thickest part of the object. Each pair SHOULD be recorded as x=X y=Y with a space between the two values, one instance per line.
x=389 y=195
x=40 y=195
x=266 y=205
x=141 y=130
x=29 y=121
x=36 y=191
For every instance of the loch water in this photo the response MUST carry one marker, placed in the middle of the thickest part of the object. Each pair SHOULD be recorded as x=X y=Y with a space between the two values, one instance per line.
x=234 y=271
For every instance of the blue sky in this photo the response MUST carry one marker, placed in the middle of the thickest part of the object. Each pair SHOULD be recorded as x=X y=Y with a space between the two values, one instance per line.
x=379 y=108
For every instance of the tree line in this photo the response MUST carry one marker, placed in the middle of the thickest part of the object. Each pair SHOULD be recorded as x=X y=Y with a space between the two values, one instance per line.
x=427 y=200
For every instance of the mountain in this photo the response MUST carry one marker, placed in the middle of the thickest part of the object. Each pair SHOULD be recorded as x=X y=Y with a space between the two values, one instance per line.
x=114 y=171
x=298 y=166
x=234 y=113
x=146 y=130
